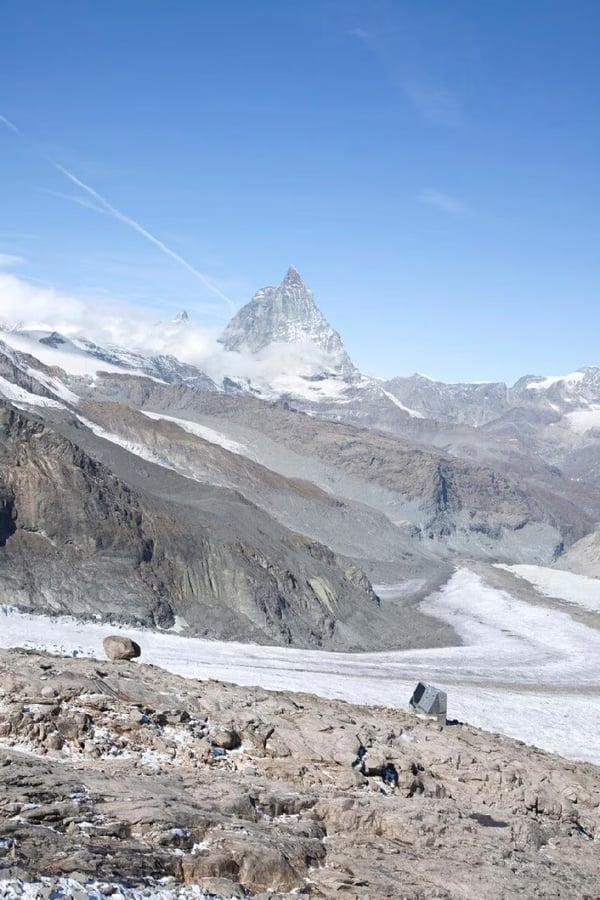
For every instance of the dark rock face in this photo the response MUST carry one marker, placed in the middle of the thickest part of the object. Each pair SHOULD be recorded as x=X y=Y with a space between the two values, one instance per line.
x=78 y=540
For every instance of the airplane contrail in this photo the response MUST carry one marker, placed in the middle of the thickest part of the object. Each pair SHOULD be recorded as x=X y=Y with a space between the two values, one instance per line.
x=10 y=125
x=122 y=217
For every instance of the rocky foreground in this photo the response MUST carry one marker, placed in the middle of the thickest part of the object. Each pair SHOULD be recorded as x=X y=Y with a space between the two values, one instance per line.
x=121 y=772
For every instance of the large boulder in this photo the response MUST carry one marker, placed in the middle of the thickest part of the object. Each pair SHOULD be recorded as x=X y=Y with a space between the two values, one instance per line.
x=117 y=646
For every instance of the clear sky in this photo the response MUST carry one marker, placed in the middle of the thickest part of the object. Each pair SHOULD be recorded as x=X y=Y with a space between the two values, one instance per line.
x=432 y=169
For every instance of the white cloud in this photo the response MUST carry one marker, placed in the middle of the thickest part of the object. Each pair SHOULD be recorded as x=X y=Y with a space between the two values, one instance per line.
x=40 y=308
x=25 y=306
x=448 y=204
x=8 y=260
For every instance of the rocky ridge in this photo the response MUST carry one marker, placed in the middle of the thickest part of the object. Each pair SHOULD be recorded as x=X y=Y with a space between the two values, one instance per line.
x=121 y=772
x=479 y=403
x=449 y=504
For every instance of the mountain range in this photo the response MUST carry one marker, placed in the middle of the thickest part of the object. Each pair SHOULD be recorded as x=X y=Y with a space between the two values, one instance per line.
x=261 y=497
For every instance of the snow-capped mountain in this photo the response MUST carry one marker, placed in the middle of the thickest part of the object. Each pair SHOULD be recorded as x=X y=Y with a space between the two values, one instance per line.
x=82 y=357
x=287 y=314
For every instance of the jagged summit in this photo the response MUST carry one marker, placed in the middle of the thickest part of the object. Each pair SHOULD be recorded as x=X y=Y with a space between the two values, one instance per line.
x=181 y=318
x=293 y=278
x=286 y=314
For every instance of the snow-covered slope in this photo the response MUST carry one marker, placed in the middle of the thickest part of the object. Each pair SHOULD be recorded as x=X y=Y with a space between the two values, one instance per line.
x=84 y=358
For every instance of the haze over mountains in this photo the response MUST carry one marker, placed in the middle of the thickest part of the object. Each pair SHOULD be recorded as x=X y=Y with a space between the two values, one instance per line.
x=258 y=496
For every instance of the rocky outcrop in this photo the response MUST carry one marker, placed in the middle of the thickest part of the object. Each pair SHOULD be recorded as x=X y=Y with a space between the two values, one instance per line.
x=470 y=404
x=129 y=774
x=79 y=540
x=117 y=646
x=583 y=558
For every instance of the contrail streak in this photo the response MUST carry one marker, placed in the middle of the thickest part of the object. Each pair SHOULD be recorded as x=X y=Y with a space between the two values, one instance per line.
x=121 y=217
x=10 y=125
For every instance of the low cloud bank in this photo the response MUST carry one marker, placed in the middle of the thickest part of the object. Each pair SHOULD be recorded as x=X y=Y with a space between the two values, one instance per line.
x=24 y=306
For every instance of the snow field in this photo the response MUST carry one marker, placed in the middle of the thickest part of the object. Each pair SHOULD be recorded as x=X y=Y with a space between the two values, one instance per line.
x=202 y=431
x=527 y=671
x=578 y=589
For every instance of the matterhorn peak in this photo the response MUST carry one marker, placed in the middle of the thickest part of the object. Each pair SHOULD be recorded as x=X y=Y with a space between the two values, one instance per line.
x=292 y=278
x=287 y=314
x=181 y=318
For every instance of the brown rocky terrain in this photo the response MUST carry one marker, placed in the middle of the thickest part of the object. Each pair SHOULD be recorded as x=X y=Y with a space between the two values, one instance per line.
x=122 y=772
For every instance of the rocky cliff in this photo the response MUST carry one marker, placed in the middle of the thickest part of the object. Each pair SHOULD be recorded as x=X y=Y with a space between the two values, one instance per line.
x=75 y=538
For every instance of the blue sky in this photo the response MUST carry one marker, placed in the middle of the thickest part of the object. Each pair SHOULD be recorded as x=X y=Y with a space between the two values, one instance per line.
x=431 y=168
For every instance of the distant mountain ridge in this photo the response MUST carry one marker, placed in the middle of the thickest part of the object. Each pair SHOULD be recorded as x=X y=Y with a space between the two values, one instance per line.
x=478 y=403
x=317 y=371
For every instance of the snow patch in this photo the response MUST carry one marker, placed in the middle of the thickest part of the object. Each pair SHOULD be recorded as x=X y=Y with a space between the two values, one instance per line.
x=583 y=420
x=138 y=449
x=19 y=395
x=407 y=409
x=202 y=431
x=53 y=384
x=550 y=380
x=69 y=358
x=578 y=589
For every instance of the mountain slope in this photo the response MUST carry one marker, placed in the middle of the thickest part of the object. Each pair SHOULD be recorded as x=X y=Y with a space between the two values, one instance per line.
x=439 y=504
x=75 y=538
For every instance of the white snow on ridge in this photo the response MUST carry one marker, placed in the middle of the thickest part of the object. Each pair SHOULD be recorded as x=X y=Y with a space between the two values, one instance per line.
x=407 y=409
x=138 y=449
x=521 y=669
x=578 y=589
x=549 y=380
x=53 y=384
x=293 y=385
x=70 y=359
x=18 y=396
x=582 y=420
x=202 y=431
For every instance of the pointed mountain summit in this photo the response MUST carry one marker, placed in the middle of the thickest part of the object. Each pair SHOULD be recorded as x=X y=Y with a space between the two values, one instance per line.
x=286 y=314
